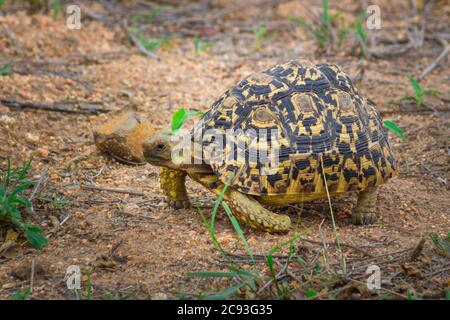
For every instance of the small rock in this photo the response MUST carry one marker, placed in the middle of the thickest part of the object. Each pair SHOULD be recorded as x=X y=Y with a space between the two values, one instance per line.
x=131 y=208
x=6 y=120
x=42 y=152
x=159 y=296
x=122 y=137
x=31 y=138
x=8 y=285
x=79 y=215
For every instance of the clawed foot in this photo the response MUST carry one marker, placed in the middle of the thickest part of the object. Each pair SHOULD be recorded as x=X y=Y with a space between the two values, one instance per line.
x=179 y=204
x=364 y=218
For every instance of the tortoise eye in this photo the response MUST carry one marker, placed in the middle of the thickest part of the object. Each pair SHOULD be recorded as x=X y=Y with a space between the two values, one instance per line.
x=161 y=146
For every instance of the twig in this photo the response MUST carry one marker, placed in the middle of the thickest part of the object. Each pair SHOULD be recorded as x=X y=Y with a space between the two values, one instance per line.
x=342 y=244
x=65 y=220
x=138 y=43
x=434 y=174
x=13 y=39
x=447 y=268
x=92 y=178
x=436 y=62
x=40 y=184
x=33 y=263
x=115 y=257
x=60 y=106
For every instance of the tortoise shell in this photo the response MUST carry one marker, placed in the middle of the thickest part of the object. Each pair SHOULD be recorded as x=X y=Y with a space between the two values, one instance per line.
x=326 y=133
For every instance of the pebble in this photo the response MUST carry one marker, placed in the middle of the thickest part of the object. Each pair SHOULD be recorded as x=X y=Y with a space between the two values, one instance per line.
x=159 y=296
x=8 y=285
x=31 y=138
x=42 y=152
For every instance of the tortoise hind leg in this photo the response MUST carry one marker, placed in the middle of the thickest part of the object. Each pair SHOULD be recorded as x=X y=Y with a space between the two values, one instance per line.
x=246 y=208
x=252 y=213
x=174 y=188
x=365 y=210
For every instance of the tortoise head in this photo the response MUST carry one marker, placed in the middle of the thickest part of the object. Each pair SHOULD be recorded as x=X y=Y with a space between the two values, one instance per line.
x=158 y=151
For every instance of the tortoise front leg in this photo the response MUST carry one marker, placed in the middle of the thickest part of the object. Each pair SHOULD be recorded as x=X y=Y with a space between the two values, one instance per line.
x=365 y=210
x=173 y=184
x=246 y=208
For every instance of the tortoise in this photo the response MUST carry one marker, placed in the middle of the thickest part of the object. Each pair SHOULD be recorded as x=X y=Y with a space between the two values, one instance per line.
x=330 y=141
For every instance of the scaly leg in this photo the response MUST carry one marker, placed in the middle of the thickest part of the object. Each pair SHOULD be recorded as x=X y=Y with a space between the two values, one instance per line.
x=365 y=210
x=173 y=186
x=246 y=208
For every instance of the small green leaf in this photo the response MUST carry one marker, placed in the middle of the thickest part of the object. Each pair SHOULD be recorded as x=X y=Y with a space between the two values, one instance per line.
x=260 y=32
x=178 y=119
x=311 y=294
x=21 y=295
x=21 y=200
x=5 y=69
x=410 y=296
x=35 y=236
x=181 y=116
x=447 y=293
x=153 y=44
x=2 y=2
x=433 y=91
x=392 y=126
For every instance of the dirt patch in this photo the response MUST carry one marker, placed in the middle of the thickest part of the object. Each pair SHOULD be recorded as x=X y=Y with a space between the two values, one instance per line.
x=131 y=242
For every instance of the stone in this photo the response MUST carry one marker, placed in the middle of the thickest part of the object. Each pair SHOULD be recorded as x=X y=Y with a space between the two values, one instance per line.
x=122 y=137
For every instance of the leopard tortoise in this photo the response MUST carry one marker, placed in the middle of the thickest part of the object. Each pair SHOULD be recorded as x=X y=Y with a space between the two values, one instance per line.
x=330 y=140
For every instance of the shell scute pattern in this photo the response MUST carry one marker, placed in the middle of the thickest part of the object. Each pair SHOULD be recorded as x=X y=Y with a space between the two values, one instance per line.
x=322 y=123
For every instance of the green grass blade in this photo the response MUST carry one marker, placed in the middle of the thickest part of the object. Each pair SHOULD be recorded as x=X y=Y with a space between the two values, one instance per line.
x=227 y=292
x=325 y=16
x=417 y=89
x=218 y=201
x=238 y=229
x=301 y=22
x=210 y=230
x=359 y=28
x=56 y=8
x=416 y=86
x=392 y=126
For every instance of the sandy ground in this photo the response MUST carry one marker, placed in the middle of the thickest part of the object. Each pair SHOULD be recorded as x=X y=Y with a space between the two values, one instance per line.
x=133 y=243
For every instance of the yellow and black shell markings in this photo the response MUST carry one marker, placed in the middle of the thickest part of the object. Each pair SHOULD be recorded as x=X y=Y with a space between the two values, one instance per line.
x=321 y=121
